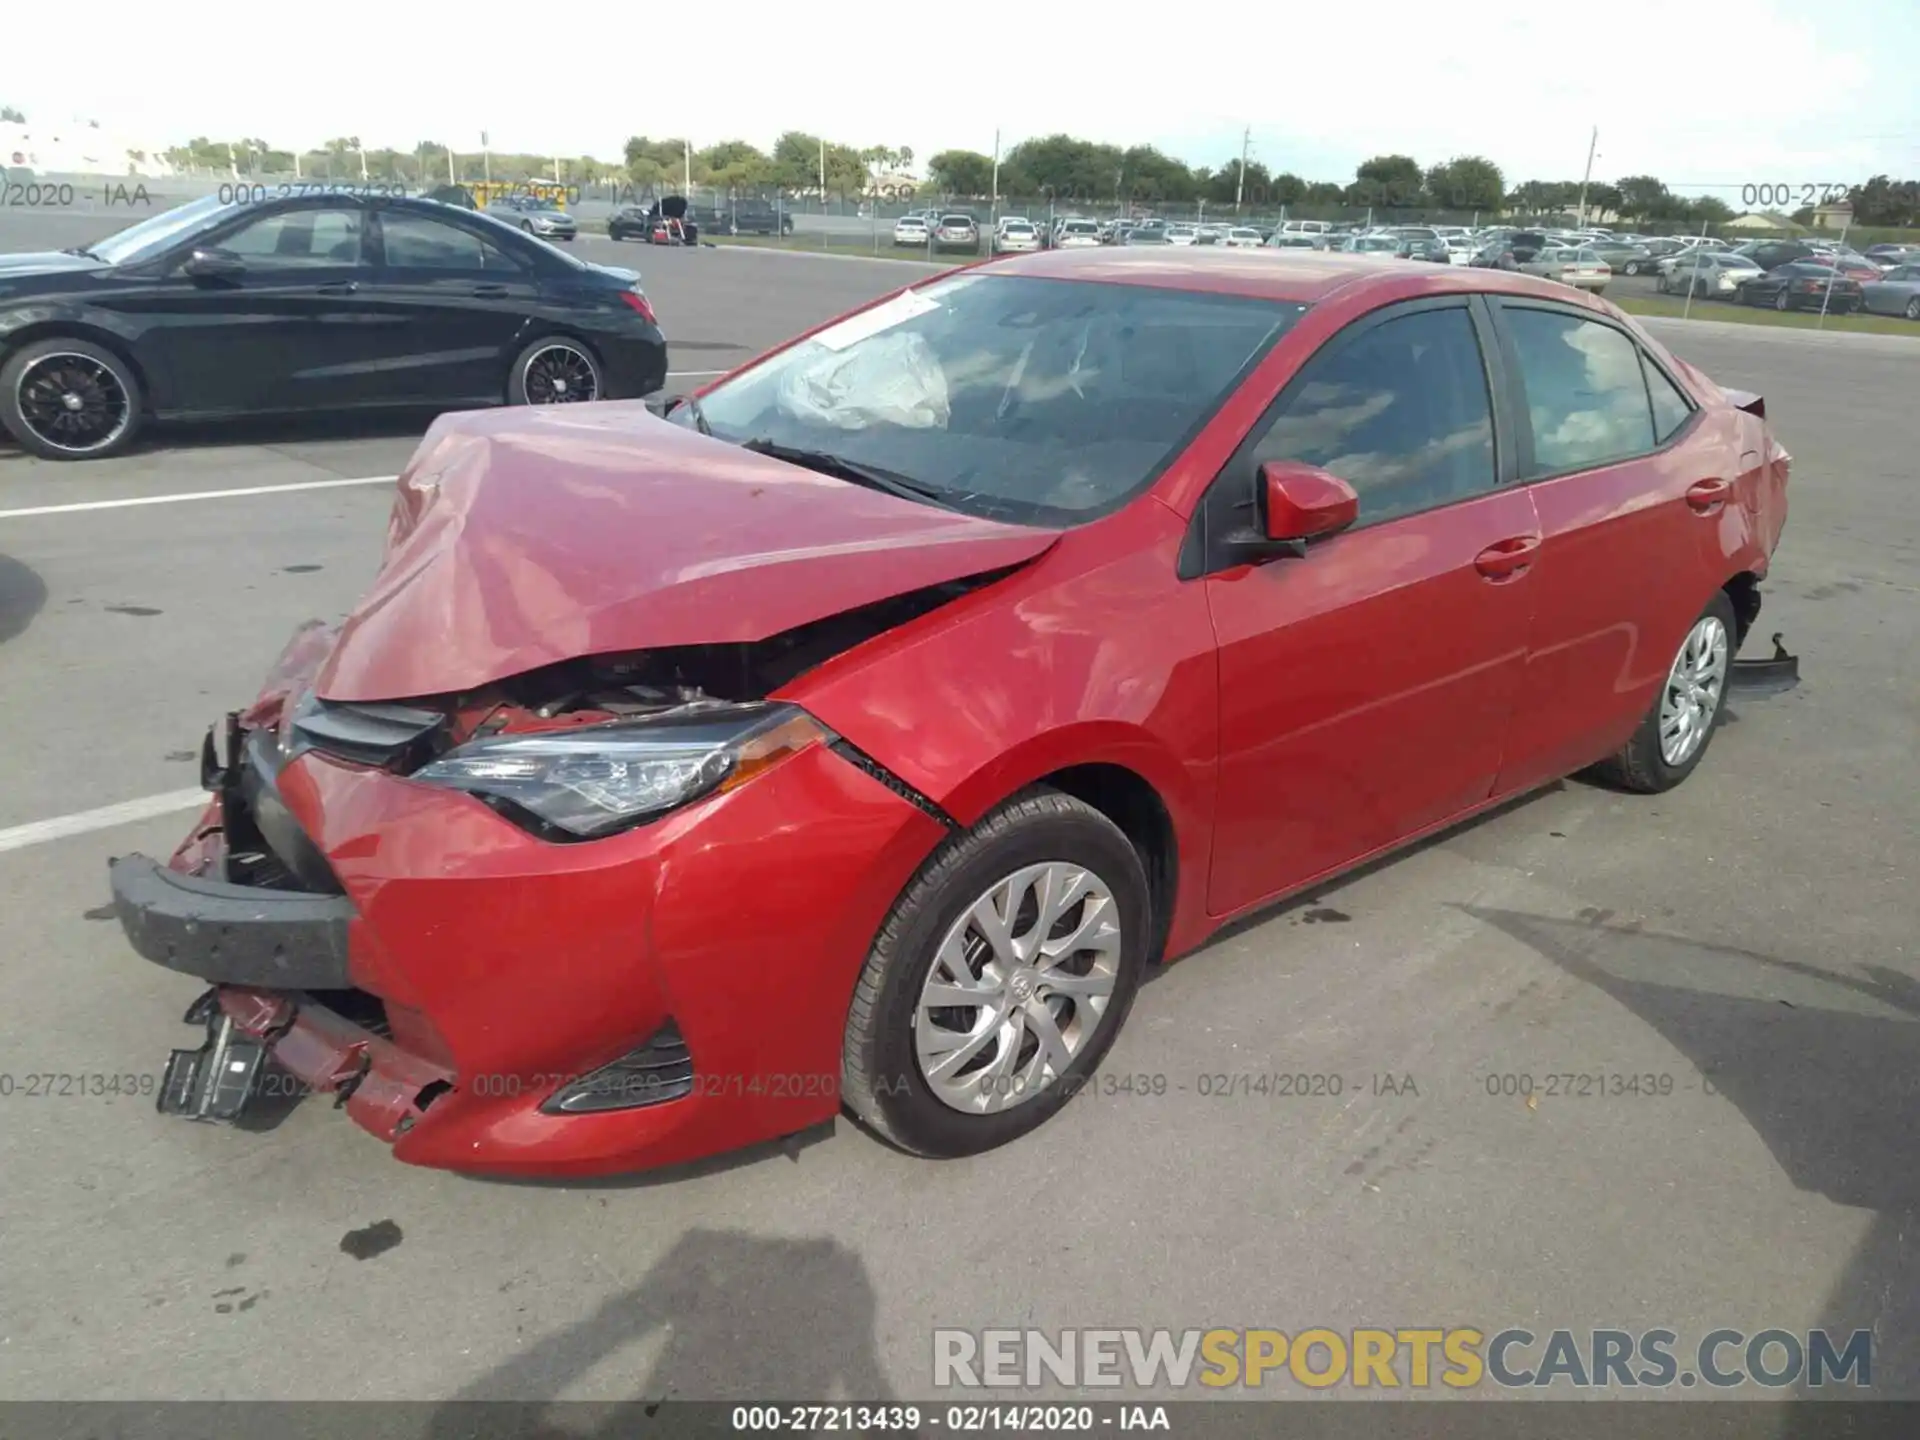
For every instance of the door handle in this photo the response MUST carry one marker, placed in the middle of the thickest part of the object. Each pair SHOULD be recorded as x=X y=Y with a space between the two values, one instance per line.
x=1506 y=559
x=490 y=292
x=340 y=287
x=1707 y=496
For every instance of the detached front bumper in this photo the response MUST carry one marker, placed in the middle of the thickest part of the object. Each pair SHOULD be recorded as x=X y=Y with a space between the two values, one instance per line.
x=232 y=934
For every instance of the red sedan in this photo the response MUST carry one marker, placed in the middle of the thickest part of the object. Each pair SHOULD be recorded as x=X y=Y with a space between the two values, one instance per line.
x=859 y=733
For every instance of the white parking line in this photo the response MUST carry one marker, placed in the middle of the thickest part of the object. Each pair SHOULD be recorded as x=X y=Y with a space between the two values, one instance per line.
x=105 y=818
x=194 y=495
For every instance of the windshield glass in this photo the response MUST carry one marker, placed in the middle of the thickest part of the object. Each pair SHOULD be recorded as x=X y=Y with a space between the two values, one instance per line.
x=1037 y=401
x=162 y=232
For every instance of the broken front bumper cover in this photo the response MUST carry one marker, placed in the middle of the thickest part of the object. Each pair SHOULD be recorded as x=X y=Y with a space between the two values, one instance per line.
x=232 y=934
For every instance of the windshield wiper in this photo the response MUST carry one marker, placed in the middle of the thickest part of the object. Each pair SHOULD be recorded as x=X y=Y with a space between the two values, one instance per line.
x=874 y=477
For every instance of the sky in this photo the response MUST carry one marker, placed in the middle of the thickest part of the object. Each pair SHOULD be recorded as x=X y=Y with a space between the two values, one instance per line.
x=1795 y=94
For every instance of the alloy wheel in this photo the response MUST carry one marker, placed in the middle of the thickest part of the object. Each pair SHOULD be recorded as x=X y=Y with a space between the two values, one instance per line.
x=560 y=375
x=73 y=403
x=1018 y=988
x=1913 y=308
x=1693 y=691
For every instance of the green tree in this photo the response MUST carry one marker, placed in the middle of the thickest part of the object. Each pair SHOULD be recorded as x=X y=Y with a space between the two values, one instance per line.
x=962 y=172
x=1640 y=196
x=1885 y=201
x=1288 y=188
x=1220 y=186
x=1393 y=180
x=734 y=165
x=1323 y=193
x=11 y=116
x=1467 y=182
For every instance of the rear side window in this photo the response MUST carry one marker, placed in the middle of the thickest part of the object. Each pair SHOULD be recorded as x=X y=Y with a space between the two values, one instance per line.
x=1400 y=412
x=414 y=242
x=1670 y=407
x=1586 y=394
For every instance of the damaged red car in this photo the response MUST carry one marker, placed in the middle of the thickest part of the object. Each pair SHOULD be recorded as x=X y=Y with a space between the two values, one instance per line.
x=859 y=731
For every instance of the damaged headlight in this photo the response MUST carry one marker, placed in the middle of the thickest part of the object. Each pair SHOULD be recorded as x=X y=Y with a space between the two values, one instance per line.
x=599 y=779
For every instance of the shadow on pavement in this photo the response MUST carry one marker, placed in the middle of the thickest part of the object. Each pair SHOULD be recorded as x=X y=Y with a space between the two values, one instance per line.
x=23 y=594
x=1825 y=1067
x=728 y=1315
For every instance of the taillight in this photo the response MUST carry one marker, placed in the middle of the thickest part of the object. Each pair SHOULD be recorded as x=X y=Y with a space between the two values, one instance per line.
x=638 y=301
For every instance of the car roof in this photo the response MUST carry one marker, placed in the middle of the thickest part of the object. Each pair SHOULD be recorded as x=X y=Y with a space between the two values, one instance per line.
x=1300 y=276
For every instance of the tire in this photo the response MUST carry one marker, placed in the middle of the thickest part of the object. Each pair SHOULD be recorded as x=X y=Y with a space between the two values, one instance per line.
x=49 y=373
x=1783 y=301
x=884 y=1079
x=538 y=371
x=1643 y=766
x=1912 y=311
x=1663 y=285
x=1632 y=267
x=527 y=226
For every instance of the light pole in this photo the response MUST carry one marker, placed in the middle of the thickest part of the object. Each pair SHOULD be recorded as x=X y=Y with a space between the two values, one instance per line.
x=993 y=201
x=1580 y=219
x=1240 y=184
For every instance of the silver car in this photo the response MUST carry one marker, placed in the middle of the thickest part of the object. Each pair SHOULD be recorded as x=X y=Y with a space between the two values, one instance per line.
x=1015 y=237
x=1705 y=272
x=1895 y=293
x=1577 y=266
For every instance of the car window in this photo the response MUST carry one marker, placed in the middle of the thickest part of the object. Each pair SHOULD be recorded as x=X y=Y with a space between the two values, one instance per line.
x=307 y=236
x=1586 y=396
x=1044 y=401
x=1400 y=412
x=414 y=242
x=1670 y=407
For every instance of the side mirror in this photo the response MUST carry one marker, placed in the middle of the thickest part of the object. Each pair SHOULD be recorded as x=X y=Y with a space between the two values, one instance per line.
x=1299 y=502
x=214 y=265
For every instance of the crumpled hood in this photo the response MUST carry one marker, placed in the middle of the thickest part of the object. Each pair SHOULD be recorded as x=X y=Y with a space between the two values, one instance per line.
x=524 y=537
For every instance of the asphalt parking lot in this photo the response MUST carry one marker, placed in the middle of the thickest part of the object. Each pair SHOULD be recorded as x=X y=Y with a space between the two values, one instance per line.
x=1751 y=936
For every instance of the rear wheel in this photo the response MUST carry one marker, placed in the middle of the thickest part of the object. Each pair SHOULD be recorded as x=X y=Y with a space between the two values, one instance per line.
x=1632 y=267
x=1913 y=308
x=67 y=399
x=554 y=371
x=1675 y=734
x=1783 y=301
x=999 y=980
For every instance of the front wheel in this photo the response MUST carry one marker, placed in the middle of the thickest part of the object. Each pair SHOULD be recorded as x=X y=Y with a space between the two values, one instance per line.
x=1675 y=734
x=1912 y=311
x=1632 y=267
x=1783 y=301
x=999 y=980
x=66 y=399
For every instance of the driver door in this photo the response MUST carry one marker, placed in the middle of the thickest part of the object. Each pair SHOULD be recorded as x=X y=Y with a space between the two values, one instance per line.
x=288 y=331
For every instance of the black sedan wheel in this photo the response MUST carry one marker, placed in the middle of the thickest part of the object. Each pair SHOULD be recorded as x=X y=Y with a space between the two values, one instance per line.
x=1913 y=308
x=1632 y=267
x=1783 y=301
x=69 y=400
x=554 y=371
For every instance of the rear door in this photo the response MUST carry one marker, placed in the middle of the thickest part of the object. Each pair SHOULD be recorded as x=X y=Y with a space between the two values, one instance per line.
x=466 y=301
x=1366 y=685
x=1623 y=469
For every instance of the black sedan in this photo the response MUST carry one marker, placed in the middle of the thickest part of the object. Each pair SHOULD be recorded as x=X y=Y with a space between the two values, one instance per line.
x=1413 y=247
x=316 y=303
x=1801 y=285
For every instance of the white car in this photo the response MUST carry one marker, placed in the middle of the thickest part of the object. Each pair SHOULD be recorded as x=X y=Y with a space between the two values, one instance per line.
x=1242 y=237
x=1014 y=237
x=1183 y=235
x=910 y=230
x=1077 y=235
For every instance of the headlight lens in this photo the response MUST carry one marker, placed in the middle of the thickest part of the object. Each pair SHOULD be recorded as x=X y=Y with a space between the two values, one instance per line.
x=600 y=779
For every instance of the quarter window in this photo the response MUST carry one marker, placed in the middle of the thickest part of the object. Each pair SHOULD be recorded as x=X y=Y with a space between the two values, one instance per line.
x=1670 y=407
x=1400 y=412
x=1586 y=395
